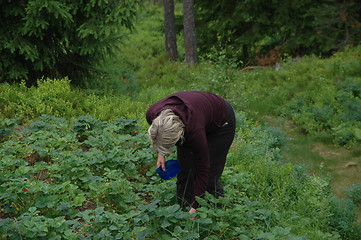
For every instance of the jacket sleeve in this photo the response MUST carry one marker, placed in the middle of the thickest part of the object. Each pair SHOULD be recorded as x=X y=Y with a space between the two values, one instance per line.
x=201 y=163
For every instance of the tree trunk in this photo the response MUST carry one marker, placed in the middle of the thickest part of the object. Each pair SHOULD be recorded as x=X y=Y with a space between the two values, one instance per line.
x=189 y=32
x=170 y=32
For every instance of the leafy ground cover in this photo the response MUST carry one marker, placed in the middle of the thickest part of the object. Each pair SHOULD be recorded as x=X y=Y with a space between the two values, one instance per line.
x=91 y=179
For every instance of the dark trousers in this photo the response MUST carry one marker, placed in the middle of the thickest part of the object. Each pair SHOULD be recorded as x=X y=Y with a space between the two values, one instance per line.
x=219 y=142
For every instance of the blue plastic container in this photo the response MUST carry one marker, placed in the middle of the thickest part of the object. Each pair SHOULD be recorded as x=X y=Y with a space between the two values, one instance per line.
x=172 y=169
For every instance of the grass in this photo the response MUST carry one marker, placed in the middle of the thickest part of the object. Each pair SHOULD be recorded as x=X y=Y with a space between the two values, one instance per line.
x=342 y=165
x=339 y=164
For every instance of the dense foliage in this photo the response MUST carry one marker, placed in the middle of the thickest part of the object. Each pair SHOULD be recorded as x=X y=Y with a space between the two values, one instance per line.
x=319 y=96
x=59 y=38
x=259 y=31
x=92 y=179
x=56 y=97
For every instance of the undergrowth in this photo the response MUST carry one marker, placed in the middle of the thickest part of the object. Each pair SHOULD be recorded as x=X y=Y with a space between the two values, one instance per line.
x=91 y=179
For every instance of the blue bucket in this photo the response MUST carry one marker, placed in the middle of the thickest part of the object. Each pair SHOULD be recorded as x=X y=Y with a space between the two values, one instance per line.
x=172 y=169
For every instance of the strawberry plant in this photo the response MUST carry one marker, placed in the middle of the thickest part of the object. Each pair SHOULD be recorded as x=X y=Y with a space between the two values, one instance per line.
x=48 y=171
x=90 y=179
x=6 y=127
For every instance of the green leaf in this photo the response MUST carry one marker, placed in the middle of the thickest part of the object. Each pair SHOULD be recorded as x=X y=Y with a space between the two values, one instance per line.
x=165 y=224
x=78 y=200
x=177 y=231
x=205 y=221
x=5 y=221
x=32 y=210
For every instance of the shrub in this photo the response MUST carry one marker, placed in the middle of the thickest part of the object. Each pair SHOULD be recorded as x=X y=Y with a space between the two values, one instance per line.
x=60 y=38
x=354 y=193
x=57 y=97
x=343 y=219
x=330 y=102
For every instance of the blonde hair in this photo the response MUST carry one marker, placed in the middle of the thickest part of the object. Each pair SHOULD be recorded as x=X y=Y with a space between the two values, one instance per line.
x=166 y=130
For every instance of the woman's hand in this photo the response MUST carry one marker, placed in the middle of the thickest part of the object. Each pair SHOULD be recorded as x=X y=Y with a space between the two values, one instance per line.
x=161 y=161
x=193 y=210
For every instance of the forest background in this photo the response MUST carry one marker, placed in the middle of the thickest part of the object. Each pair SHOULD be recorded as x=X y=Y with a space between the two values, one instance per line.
x=77 y=78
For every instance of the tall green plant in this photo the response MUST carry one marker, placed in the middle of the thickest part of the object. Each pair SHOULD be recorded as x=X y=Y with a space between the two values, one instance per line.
x=59 y=38
x=56 y=97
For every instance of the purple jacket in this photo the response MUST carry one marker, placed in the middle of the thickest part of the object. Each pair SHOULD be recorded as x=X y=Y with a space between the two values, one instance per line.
x=201 y=112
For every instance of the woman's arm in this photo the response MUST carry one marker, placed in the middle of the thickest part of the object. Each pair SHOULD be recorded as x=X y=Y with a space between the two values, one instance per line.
x=161 y=161
x=201 y=163
x=193 y=210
